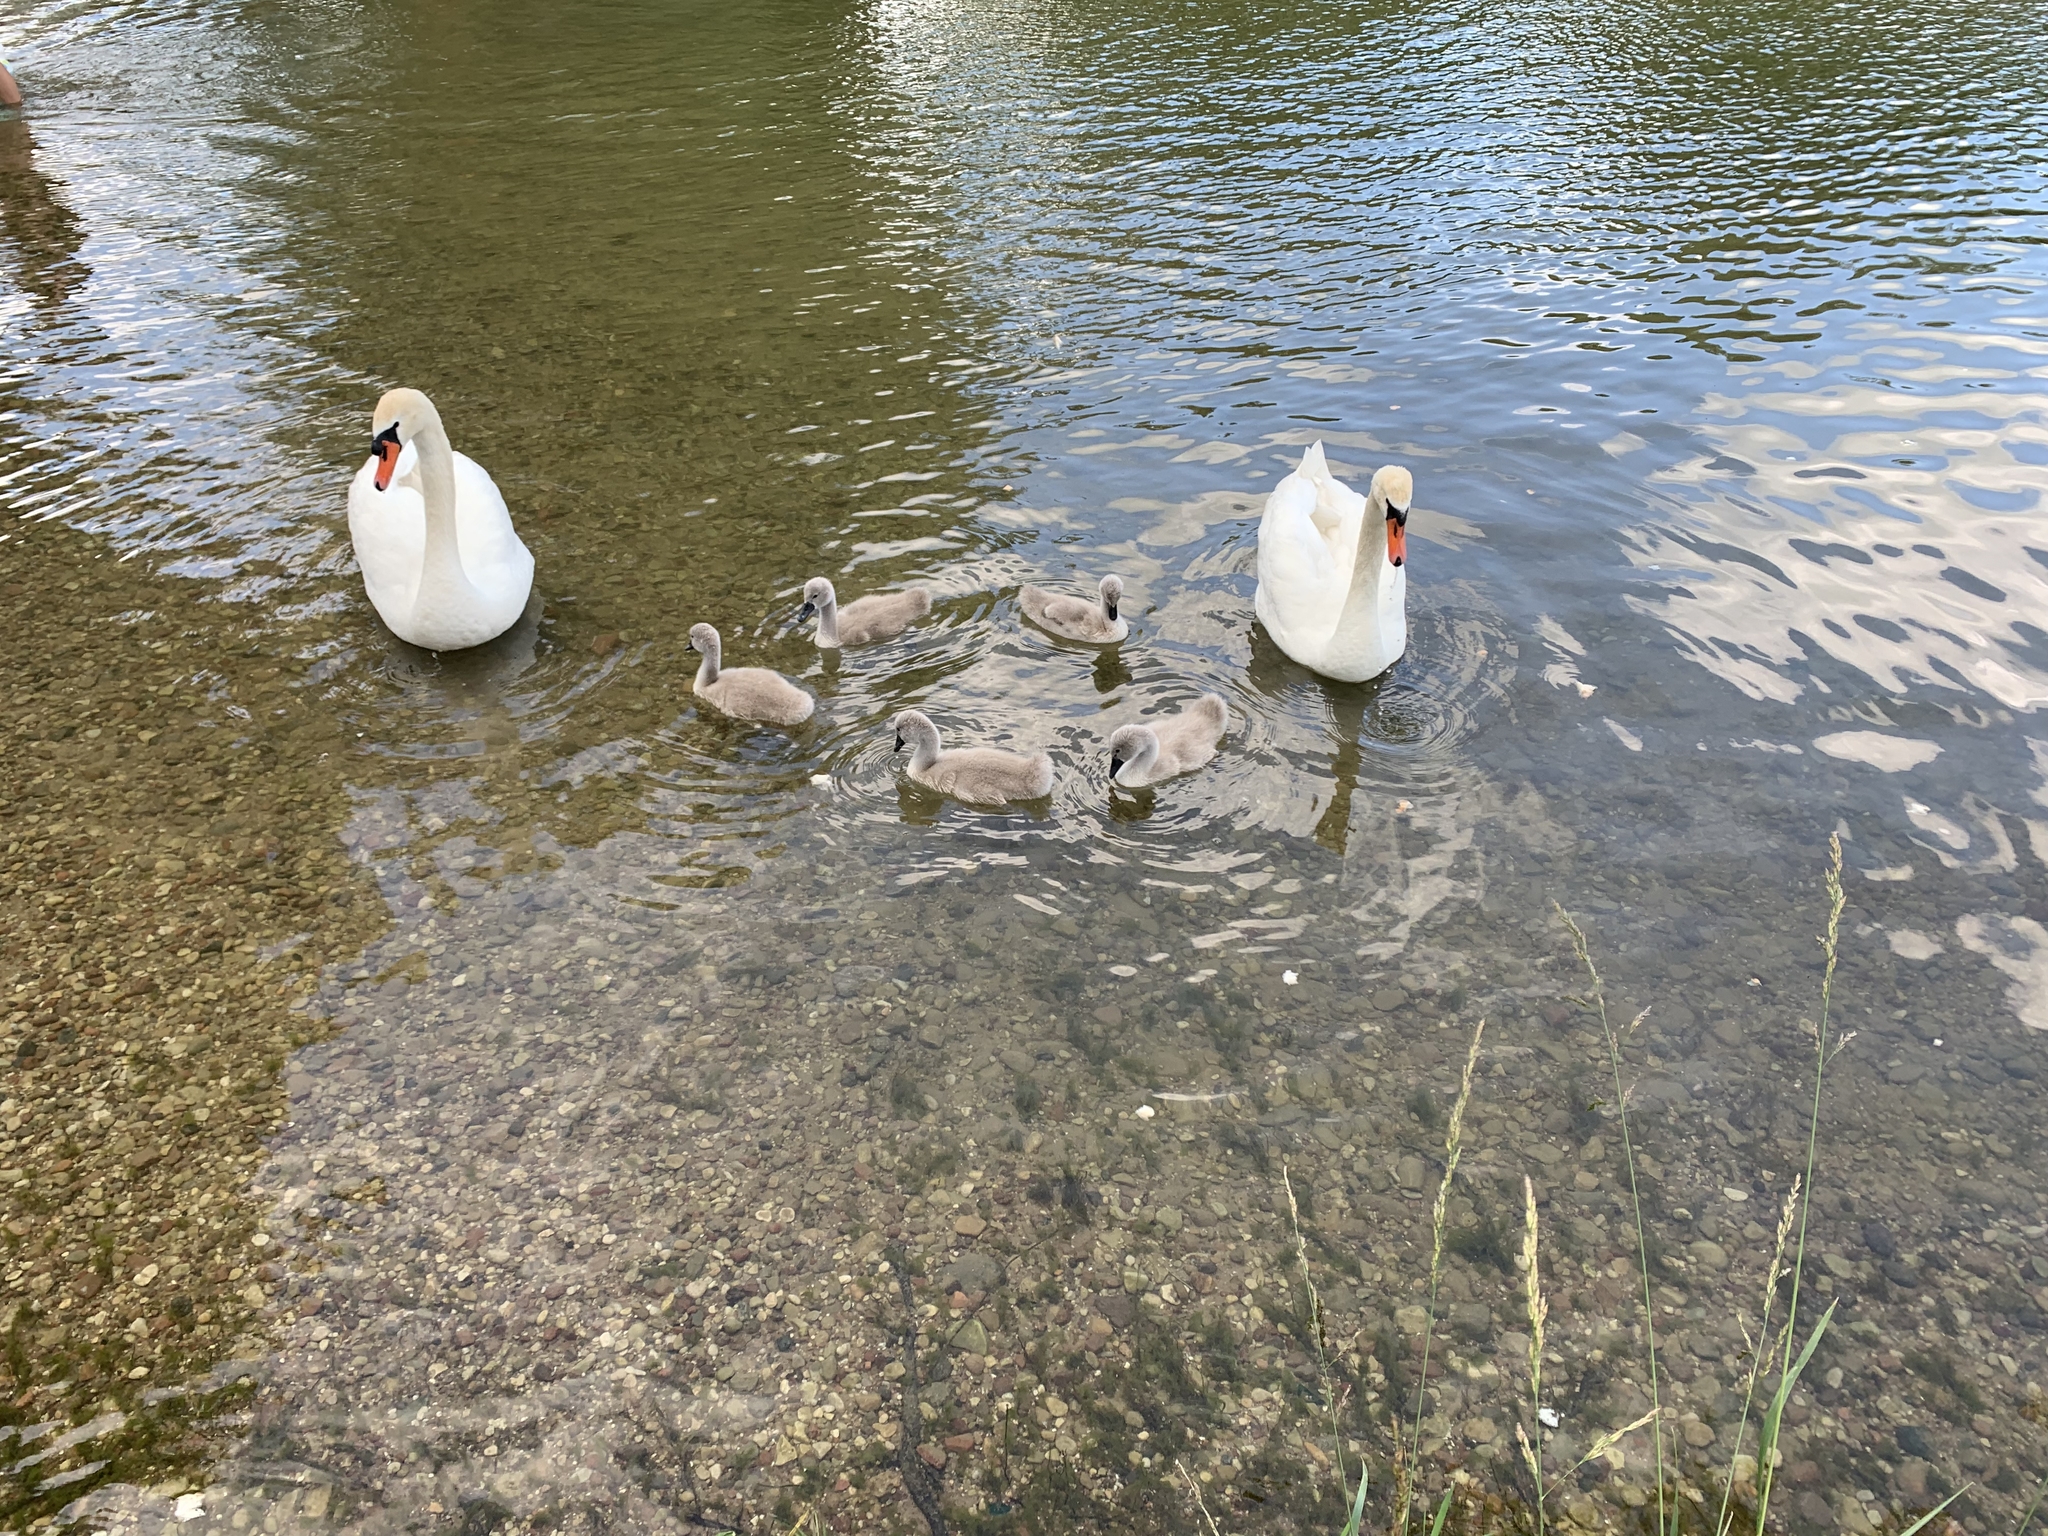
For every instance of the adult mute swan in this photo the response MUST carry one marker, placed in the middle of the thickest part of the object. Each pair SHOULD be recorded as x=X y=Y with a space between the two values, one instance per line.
x=983 y=775
x=440 y=560
x=1333 y=584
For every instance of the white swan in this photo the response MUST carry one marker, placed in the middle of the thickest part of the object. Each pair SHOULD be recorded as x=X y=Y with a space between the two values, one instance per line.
x=440 y=560
x=1161 y=748
x=1333 y=584
x=746 y=693
x=984 y=775
x=880 y=616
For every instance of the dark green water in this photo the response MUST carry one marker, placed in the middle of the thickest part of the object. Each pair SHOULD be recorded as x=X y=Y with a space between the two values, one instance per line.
x=1713 y=337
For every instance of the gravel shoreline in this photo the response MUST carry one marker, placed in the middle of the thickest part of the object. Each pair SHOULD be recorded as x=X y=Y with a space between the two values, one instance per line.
x=169 y=881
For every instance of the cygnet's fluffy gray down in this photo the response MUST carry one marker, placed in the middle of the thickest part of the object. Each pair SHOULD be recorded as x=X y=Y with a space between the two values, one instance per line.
x=746 y=693
x=983 y=775
x=1075 y=618
x=1175 y=744
x=881 y=616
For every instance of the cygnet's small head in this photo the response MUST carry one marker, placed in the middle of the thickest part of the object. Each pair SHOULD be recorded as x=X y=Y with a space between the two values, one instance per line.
x=817 y=594
x=703 y=638
x=1128 y=744
x=1112 y=594
x=1394 y=488
x=912 y=726
x=401 y=415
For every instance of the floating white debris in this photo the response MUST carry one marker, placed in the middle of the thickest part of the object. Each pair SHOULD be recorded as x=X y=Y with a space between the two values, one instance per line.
x=1144 y=1111
x=1202 y=975
x=190 y=1506
x=1123 y=970
x=1403 y=807
x=1547 y=1417
x=1155 y=959
x=822 y=780
x=1623 y=734
x=1289 y=977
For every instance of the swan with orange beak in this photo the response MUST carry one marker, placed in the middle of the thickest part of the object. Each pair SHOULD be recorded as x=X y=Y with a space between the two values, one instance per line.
x=441 y=562
x=1333 y=569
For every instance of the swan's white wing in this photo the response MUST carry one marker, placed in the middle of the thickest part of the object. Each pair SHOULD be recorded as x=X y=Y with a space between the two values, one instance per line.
x=494 y=559
x=1302 y=584
x=389 y=530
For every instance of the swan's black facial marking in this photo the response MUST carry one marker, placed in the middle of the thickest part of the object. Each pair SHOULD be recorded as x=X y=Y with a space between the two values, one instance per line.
x=899 y=741
x=385 y=448
x=806 y=611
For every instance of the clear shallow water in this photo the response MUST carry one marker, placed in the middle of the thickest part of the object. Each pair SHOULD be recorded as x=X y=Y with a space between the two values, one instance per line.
x=1712 y=341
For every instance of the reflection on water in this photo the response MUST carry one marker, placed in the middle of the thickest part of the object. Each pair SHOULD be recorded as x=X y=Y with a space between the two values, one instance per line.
x=42 y=233
x=1711 y=338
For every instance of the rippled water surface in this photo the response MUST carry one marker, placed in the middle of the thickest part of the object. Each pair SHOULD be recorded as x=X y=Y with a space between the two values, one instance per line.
x=1714 y=339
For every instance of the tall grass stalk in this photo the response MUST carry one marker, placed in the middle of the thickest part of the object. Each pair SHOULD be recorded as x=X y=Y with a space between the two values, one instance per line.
x=1667 y=1514
x=1454 y=1145
x=1762 y=1348
x=1539 y=1318
x=1539 y=1314
x=1319 y=1344
x=1824 y=1051
x=1202 y=1504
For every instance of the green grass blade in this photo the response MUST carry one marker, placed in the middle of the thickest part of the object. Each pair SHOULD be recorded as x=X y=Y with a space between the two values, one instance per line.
x=2028 y=1518
x=1791 y=1378
x=1357 y=1521
x=1912 y=1529
x=1436 y=1526
x=1767 y=1431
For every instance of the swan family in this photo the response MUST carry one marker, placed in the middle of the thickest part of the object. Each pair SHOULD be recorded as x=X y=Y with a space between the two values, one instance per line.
x=445 y=569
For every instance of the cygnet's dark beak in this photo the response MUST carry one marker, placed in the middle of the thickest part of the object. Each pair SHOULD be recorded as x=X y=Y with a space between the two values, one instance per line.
x=899 y=741
x=806 y=611
x=1116 y=766
x=1109 y=608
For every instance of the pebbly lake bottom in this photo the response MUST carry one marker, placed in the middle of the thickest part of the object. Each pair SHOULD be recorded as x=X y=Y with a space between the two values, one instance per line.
x=581 y=1200
x=595 y=1215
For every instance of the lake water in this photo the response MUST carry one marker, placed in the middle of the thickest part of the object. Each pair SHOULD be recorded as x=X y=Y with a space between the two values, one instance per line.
x=1714 y=339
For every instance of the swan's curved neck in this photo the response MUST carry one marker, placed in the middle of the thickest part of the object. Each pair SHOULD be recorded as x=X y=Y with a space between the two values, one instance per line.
x=1145 y=757
x=1369 y=559
x=442 y=580
x=707 y=669
x=924 y=750
x=828 y=619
